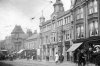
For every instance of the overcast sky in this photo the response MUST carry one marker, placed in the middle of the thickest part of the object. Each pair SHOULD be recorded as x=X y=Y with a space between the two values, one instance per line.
x=20 y=12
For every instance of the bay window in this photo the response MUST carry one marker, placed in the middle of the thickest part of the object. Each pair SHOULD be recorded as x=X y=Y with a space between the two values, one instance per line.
x=80 y=31
x=79 y=13
x=93 y=7
x=93 y=28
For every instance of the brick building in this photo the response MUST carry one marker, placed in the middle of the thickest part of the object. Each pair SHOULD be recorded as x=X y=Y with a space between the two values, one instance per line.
x=86 y=22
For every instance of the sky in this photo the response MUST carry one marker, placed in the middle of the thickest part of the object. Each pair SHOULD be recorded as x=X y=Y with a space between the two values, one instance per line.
x=20 y=12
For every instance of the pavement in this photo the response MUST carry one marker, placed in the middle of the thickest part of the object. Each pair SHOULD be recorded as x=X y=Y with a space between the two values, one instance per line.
x=49 y=63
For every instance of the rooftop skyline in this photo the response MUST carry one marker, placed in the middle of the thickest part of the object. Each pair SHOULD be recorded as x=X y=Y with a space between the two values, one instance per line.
x=20 y=12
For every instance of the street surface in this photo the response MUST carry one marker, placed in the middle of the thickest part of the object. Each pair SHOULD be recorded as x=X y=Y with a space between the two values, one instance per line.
x=24 y=62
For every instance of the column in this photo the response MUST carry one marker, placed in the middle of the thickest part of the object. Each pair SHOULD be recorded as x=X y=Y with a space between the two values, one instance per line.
x=98 y=16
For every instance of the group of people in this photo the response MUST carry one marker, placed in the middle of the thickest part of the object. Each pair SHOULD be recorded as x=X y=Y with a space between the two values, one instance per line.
x=81 y=58
x=91 y=56
x=59 y=58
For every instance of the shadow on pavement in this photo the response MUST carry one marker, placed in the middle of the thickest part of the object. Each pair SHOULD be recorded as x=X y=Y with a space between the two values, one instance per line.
x=5 y=64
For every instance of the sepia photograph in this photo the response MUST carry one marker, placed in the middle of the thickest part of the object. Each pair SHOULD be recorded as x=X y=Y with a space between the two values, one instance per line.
x=49 y=33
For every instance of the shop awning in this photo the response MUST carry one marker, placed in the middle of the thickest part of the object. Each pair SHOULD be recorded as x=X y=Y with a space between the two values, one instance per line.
x=21 y=51
x=74 y=47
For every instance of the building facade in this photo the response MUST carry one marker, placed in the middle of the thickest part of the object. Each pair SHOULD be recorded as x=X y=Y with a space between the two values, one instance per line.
x=8 y=44
x=86 y=22
x=18 y=37
x=56 y=33
x=32 y=42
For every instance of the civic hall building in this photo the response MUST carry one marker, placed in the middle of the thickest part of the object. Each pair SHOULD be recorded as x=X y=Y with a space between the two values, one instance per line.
x=67 y=32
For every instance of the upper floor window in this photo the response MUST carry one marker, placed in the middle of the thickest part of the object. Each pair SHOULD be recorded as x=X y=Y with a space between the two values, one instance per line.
x=90 y=7
x=67 y=37
x=71 y=18
x=80 y=31
x=53 y=25
x=93 y=28
x=79 y=13
x=60 y=22
x=93 y=7
x=67 y=19
x=53 y=37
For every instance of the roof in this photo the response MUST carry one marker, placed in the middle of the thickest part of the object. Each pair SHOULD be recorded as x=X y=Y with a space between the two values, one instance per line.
x=48 y=21
x=33 y=36
x=61 y=14
x=17 y=29
x=58 y=2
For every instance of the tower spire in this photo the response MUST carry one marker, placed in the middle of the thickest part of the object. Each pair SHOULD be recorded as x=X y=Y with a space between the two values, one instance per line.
x=42 y=13
x=42 y=18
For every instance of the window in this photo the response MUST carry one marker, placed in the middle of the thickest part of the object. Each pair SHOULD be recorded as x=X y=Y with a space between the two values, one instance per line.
x=93 y=28
x=53 y=37
x=60 y=22
x=96 y=27
x=59 y=38
x=71 y=18
x=53 y=25
x=93 y=7
x=66 y=20
x=80 y=31
x=90 y=7
x=79 y=13
x=67 y=37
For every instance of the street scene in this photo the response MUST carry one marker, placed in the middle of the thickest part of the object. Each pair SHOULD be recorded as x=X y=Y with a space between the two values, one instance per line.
x=49 y=32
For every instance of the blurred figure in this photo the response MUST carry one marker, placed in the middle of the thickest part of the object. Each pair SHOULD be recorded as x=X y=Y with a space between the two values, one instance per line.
x=81 y=58
x=56 y=58
x=61 y=58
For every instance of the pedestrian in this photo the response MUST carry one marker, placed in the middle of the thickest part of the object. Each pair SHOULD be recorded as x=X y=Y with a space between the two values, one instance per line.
x=97 y=58
x=56 y=58
x=81 y=58
x=61 y=58
x=47 y=58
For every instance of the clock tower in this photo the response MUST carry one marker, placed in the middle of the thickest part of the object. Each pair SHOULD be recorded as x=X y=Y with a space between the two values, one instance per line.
x=58 y=8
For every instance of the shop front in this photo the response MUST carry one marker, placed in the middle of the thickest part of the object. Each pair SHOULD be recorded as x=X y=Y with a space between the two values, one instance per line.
x=67 y=46
x=92 y=48
x=60 y=48
x=73 y=51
